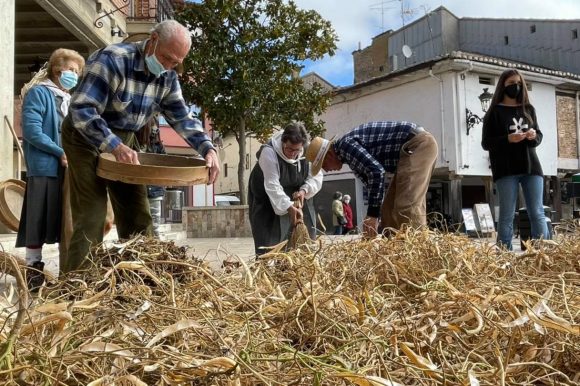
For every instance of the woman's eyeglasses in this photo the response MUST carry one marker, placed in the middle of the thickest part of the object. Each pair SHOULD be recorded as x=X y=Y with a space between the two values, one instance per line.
x=291 y=150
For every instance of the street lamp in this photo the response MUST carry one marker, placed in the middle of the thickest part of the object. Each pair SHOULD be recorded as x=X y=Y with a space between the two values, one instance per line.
x=472 y=119
x=485 y=99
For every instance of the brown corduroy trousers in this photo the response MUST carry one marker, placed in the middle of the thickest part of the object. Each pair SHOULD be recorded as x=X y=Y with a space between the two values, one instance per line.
x=404 y=202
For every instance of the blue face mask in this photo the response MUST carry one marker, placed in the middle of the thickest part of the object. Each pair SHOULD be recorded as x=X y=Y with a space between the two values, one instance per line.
x=153 y=64
x=68 y=79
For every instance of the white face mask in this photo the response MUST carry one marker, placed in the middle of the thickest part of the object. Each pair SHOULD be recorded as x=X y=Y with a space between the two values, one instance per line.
x=153 y=64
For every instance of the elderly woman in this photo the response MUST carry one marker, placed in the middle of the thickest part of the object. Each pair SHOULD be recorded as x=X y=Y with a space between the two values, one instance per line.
x=347 y=209
x=280 y=177
x=45 y=104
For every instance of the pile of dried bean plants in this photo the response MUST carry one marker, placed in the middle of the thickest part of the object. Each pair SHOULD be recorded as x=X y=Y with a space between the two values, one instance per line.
x=420 y=308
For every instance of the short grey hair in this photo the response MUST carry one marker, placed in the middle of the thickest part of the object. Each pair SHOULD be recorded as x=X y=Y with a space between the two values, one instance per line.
x=295 y=133
x=169 y=29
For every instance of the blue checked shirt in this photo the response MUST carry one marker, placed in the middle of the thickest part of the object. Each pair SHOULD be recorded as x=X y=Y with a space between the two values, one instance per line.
x=116 y=92
x=371 y=150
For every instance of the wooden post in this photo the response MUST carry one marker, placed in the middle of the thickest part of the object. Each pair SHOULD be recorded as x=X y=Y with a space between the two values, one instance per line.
x=489 y=196
x=20 y=151
x=455 y=200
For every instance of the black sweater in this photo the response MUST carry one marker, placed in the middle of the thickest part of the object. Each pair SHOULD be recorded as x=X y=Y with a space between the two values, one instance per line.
x=508 y=159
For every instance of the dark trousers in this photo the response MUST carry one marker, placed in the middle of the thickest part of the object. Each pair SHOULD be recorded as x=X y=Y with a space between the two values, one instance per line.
x=88 y=195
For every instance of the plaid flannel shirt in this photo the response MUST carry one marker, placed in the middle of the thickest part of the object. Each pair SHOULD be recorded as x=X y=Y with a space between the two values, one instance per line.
x=371 y=150
x=116 y=92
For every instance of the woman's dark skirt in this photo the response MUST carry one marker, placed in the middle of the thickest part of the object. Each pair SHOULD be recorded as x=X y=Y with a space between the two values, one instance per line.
x=40 y=221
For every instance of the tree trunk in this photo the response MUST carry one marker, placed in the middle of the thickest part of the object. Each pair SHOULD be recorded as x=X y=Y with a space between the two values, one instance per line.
x=242 y=164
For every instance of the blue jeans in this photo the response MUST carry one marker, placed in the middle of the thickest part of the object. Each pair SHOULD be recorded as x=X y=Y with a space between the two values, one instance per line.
x=338 y=229
x=507 y=190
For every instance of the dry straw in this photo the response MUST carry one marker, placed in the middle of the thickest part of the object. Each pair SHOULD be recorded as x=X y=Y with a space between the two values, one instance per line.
x=420 y=308
x=299 y=235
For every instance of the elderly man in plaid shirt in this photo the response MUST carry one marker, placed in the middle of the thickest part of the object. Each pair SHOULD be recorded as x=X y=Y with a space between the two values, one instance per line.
x=123 y=86
x=376 y=148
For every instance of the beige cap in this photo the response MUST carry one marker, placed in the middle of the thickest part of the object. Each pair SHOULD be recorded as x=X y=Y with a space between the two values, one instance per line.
x=316 y=152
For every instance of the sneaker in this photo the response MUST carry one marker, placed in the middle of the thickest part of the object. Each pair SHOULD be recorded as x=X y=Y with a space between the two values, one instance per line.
x=35 y=276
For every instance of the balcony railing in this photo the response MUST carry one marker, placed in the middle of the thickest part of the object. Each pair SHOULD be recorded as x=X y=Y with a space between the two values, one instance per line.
x=151 y=10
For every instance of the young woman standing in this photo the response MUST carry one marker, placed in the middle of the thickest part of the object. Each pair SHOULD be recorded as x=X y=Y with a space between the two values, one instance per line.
x=511 y=135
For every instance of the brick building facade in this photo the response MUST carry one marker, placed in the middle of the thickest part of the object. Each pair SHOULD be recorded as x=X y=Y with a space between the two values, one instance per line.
x=372 y=61
x=567 y=126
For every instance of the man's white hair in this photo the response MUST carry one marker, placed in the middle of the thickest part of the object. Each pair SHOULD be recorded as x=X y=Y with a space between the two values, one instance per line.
x=170 y=29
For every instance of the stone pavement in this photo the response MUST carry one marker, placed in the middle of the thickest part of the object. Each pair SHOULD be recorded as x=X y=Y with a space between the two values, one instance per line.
x=216 y=250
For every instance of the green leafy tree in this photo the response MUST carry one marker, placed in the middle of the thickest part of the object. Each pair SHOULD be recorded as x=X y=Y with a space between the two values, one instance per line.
x=243 y=66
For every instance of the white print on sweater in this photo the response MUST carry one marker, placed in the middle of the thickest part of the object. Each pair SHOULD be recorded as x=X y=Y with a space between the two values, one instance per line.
x=518 y=126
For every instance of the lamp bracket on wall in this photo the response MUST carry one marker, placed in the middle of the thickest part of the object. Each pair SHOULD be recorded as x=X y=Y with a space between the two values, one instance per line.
x=471 y=119
x=98 y=21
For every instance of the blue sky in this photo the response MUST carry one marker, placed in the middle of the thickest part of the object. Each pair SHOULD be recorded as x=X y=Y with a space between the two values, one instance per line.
x=357 y=21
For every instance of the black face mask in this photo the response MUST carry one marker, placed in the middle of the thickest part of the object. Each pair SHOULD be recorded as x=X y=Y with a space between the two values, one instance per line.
x=513 y=90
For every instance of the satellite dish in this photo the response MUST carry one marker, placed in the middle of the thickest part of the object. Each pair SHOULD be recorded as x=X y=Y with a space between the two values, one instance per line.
x=407 y=52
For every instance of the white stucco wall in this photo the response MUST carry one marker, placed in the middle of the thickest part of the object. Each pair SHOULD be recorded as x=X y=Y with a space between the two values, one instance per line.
x=229 y=154
x=418 y=101
x=437 y=101
x=7 y=13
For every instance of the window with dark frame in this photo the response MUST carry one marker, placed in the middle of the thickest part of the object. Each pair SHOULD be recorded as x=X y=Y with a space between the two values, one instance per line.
x=574 y=34
x=533 y=29
x=225 y=170
x=506 y=40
